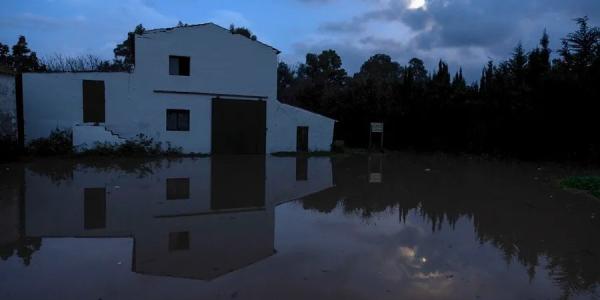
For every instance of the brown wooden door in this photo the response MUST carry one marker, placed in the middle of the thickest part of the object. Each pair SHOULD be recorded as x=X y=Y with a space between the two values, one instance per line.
x=238 y=126
x=93 y=101
x=302 y=139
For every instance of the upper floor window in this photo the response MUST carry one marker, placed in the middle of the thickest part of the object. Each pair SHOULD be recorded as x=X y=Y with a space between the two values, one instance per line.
x=179 y=65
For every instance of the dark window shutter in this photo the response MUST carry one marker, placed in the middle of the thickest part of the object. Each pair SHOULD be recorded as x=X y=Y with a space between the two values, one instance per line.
x=184 y=120
x=171 y=120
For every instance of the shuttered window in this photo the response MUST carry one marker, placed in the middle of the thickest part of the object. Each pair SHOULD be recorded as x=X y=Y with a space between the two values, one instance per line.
x=178 y=120
x=179 y=65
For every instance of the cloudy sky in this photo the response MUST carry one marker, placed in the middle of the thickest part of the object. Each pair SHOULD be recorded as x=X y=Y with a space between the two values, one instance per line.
x=465 y=33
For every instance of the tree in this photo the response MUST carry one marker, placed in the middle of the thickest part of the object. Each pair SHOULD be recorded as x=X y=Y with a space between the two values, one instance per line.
x=458 y=82
x=242 y=31
x=23 y=60
x=325 y=68
x=380 y=67
x=416 y=72
x=285 y=79
x=539 y=61
x=4 y=55
x=442 y=77
x=517 y=64
x=125 y=51
x=581 y=47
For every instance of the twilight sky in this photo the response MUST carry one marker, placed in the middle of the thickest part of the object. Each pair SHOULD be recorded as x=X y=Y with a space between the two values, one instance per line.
x=465 y=33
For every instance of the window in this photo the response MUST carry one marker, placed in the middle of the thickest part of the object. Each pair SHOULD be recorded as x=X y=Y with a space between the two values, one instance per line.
x=178 y=120
x=178 y=188
x=179 y=241
x=179 y=65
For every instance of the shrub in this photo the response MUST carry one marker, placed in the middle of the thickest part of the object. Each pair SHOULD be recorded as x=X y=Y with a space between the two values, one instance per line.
x=59 y=142
x=141 y=145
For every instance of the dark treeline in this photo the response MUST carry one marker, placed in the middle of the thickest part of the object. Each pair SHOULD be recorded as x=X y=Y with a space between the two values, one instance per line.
x=529 y=106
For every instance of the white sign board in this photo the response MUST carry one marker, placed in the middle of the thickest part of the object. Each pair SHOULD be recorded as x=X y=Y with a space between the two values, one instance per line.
x=377 y=127
x=375 y=178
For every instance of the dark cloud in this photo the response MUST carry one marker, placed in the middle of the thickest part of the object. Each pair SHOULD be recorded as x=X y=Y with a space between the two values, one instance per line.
x=463 y=32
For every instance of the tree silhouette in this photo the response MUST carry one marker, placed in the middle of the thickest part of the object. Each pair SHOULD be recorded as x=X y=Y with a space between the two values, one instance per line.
x=525 y=106
x=125 y=51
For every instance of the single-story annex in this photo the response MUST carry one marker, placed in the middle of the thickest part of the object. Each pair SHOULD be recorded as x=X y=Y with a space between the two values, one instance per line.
x=197 y=87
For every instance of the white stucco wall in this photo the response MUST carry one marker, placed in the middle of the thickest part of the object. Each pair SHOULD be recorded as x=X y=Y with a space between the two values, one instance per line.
x=220 y=63
x=283 y=121
x=55 y=100
x=8 y=106
x=87 y=136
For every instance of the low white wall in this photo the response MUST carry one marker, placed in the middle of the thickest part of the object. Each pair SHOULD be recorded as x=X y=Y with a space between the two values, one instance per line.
x=8 y=106
x=282 y=124
x=55 y=100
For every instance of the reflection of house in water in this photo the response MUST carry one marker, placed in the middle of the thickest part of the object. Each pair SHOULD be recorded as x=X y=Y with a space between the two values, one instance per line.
x=196 y=218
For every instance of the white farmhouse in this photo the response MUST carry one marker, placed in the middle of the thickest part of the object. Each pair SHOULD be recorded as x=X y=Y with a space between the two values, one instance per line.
x=197 y=87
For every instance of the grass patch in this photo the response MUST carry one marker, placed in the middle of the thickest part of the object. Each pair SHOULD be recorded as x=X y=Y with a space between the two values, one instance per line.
x=584 y=183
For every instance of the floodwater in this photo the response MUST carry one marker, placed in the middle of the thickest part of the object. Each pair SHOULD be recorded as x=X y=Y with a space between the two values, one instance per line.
x=399 y=226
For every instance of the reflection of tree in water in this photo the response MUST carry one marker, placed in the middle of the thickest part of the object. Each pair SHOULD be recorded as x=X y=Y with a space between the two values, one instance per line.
x=23 y=248
x=507 y=206
x=12 y=212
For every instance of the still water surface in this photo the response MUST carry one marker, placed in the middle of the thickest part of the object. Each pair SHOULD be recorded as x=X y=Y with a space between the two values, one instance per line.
x=398 y=226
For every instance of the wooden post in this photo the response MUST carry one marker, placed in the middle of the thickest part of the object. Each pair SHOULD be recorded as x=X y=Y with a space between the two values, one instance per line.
x=376 y=128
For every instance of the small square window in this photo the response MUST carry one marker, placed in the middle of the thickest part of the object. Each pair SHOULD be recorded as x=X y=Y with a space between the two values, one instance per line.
x=178 y=120
x=179 y=241
x=178 y=188
x=179 y=65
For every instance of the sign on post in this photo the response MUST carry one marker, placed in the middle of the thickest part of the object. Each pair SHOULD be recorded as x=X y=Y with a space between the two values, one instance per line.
x=376 y=127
